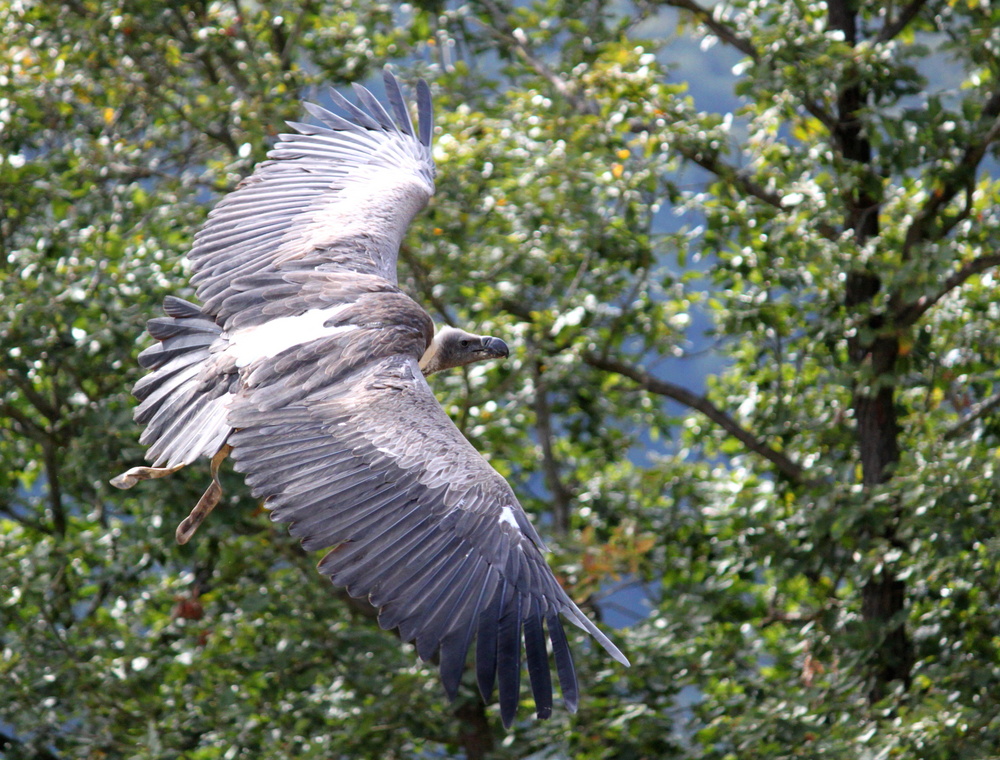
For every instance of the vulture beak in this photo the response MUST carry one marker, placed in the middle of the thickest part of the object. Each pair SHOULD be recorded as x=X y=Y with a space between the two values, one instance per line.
x=495 y=348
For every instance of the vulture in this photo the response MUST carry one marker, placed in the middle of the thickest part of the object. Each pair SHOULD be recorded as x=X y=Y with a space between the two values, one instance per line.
x=306 y=364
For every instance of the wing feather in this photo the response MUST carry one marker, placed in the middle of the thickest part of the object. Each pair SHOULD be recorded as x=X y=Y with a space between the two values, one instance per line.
x=405 y=583
x=538 y=659
x=431 y=632
x=404 y=547
x=425 y=112
x=358 y=115
x=456 y=641
x=486 y=642
x=381 y=540
x=423 y=610
x=317 y=449
x=322 y=533
x=374 y=107
x=564 y=661
x=417 y=521
x=354 y=563
x=509 y=655
x=312 y=461
x=337 y=195
x=397 y=103
x=152 y=389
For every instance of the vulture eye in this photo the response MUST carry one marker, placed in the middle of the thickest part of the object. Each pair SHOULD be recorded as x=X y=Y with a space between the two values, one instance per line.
x=465 y=343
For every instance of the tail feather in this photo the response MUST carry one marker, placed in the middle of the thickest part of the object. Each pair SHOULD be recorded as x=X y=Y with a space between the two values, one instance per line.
x=185 y=397
x=182 y=345
x=164 y=386
x=192 y=428
x=162 y=328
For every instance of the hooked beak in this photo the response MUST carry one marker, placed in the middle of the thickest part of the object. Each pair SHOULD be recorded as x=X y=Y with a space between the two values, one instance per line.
x=495 y=347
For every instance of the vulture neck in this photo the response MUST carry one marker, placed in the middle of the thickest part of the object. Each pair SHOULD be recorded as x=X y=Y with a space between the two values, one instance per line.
x=431 y=362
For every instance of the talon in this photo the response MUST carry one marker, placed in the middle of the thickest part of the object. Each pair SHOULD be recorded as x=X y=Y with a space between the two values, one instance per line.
x=130 y=477
x=189 y=525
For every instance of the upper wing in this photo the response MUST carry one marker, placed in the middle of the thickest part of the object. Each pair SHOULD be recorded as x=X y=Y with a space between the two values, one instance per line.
x=417 y=520
x=336 y=197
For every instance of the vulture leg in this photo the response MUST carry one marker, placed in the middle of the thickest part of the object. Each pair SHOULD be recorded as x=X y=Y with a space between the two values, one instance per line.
x=130 y=477
x=207 y=501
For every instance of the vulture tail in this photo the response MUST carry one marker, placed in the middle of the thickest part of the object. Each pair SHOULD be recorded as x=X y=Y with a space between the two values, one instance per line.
x=185 y=398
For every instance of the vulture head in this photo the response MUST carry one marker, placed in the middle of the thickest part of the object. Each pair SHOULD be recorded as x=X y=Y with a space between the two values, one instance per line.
x=452 y=347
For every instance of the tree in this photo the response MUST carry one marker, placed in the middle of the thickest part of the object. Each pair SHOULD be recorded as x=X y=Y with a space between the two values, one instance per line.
x=814 y=527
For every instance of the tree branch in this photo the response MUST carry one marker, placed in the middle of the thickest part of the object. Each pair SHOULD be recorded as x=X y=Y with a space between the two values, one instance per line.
x=730 y=37
x=48 y=410
x=517 y=41
x=543 y=421
x=891 y=29
x=978 y=410
x=291 y=39
x=54 y=484
x=25 y=521
x=911 y=312
x=29 y=428
x=730 y=173
x=960 y=177
x=786 y=466
x=719 y=29
x=9 y=741
x=424 y=283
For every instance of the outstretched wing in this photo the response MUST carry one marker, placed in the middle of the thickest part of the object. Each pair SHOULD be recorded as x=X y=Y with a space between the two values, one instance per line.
x=372 y=467
x=333 y=197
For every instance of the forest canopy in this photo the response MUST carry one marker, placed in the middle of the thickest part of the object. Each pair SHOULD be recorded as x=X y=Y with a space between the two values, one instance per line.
x=745 y=258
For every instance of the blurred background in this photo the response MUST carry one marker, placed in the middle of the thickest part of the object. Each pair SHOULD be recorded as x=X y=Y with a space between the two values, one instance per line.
x=744 y=255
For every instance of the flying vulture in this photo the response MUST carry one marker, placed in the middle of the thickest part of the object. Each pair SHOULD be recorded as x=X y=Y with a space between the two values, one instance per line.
x=306 y=363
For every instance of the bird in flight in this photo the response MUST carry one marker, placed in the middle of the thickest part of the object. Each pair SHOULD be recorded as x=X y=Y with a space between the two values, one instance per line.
x=306 y=364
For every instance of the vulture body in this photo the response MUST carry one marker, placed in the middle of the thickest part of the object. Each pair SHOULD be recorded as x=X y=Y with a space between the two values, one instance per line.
x=306 y=363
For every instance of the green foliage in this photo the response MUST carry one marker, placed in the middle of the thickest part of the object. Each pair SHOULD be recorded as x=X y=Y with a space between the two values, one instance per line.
x=856 y=156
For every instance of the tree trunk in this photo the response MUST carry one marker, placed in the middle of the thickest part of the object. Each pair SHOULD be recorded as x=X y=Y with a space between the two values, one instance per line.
x=883 y=596
x=475 y=736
